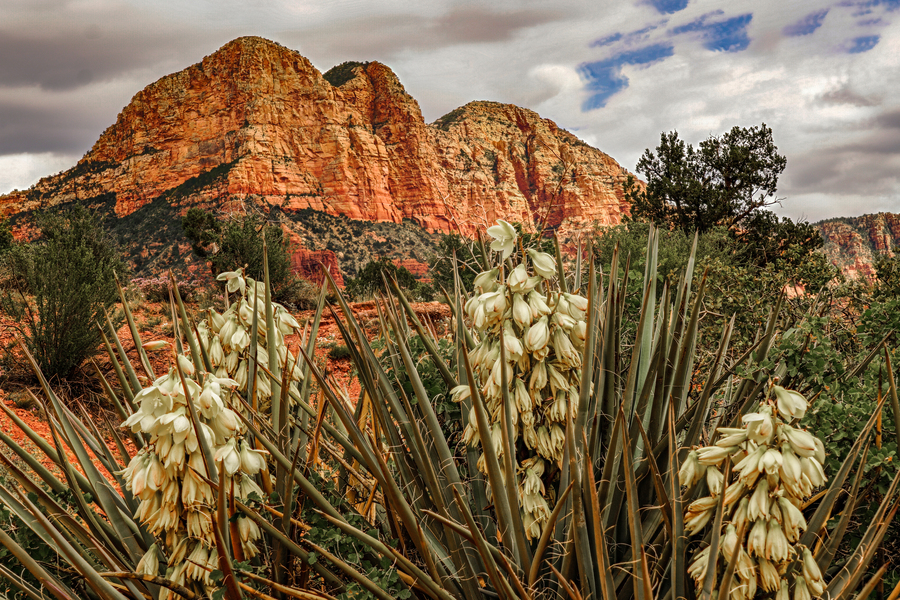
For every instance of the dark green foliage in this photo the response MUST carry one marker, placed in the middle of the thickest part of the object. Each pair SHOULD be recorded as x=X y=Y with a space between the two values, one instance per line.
x=468 y=260
x=6 y=237
x=371 y=279
x=769 y=239
x=202 y=229
x=379 y=569
x=339 y=352
x=887 y=268
x=240 y=244
x=451 y=117
x=64 y=284
x=198 y=182
x=722 y=182
x=342 y=73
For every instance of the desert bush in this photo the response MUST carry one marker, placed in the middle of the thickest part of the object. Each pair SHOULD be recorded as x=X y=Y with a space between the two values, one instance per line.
x=237 y=242
x=63 y=287
x=371 y=278
x=156 y=289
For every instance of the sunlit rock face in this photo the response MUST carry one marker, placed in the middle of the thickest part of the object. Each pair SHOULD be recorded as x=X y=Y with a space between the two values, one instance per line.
x=258 y=122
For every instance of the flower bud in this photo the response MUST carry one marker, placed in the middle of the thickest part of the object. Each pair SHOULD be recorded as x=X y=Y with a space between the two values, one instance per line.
x=812 y=574
x=538 y=336
x=521 y=311
x=544 y=264
x=756 y=541
x=518 y=279
x=690 y=469
x=713 y=455
x=486 y=281
x=801 y=442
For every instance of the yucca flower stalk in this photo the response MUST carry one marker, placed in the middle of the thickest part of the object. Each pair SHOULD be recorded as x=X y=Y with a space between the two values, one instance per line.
x=171 y=475
x=776 y=468
x=530 y=335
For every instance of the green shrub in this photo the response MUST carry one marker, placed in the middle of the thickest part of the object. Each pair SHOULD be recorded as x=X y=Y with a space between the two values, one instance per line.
x=238 y=242
x=370 y=279
x=339 y=352
x=64 y=284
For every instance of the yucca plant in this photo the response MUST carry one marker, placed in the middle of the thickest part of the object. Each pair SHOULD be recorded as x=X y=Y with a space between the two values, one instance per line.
x=655 y=475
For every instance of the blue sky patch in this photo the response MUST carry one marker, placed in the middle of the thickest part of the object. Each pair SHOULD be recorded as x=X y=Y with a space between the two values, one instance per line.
x=605 y=76
x=807 y=24
x=729 y=35
x=667 y=7
x=630 y=37
x=606 y=41
x=863 y=44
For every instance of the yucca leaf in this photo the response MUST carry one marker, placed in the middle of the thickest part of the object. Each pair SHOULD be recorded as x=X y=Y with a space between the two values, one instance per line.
x=187 y=327
x=522 y=552
x=650 y=275
x=307 y=486
x=426 y=338
x=352 y=573
x=501 y=500
x=47 y=581
x=205 y=450
x=232 y=591
x=270 y=342
x=23 y=586
x=100 y=492
x=123 y=356
x=120 y=408
x=154 y=580
x=892 y=385
x=709 y=582
x=100 y=586
x=873 y=582
x=560 y=272
x=733 y=559
x=581 y=538
x=500 y=584
x=828 y=550
x=120 y=374
x=135 y=335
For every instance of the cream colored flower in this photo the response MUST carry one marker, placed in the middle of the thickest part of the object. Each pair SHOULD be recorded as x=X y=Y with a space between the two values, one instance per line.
x=504 y=236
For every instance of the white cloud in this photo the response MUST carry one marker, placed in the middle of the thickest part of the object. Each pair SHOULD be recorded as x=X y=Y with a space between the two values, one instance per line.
x=21 y=171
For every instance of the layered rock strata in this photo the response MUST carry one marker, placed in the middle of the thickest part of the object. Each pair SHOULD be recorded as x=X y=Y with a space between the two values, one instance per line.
x=257 y=122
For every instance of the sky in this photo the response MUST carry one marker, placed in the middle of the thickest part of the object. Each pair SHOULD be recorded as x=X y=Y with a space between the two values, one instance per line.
x=824 y=75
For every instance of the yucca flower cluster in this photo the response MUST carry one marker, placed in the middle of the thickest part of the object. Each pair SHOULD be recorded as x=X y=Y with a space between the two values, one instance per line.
x=169 y=474
x=543 y=331
x=776 y=466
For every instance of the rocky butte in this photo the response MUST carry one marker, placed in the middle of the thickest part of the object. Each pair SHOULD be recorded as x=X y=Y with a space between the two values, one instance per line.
x=854 y=243
x=256 y=124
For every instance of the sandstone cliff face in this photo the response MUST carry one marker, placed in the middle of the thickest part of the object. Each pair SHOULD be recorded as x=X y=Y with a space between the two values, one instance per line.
x=257 y=122
x=854 y=244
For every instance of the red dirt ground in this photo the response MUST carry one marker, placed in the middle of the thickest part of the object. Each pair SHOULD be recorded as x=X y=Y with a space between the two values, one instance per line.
x=154 y=324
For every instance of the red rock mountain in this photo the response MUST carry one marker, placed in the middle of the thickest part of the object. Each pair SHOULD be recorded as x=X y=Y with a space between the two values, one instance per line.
x=257 y=123
x=855 y=243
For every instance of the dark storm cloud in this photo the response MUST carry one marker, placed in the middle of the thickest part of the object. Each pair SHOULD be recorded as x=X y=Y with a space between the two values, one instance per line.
x=385 y=35
x=32 y=129
x=67 y=69
x=845 y=95
x=867 y=164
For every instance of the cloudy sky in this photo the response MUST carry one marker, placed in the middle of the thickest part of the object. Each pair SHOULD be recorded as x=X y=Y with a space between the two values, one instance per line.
x=824 y=75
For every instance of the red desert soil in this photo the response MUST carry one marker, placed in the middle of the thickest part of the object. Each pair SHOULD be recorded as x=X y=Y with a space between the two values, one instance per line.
x=154 y=324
